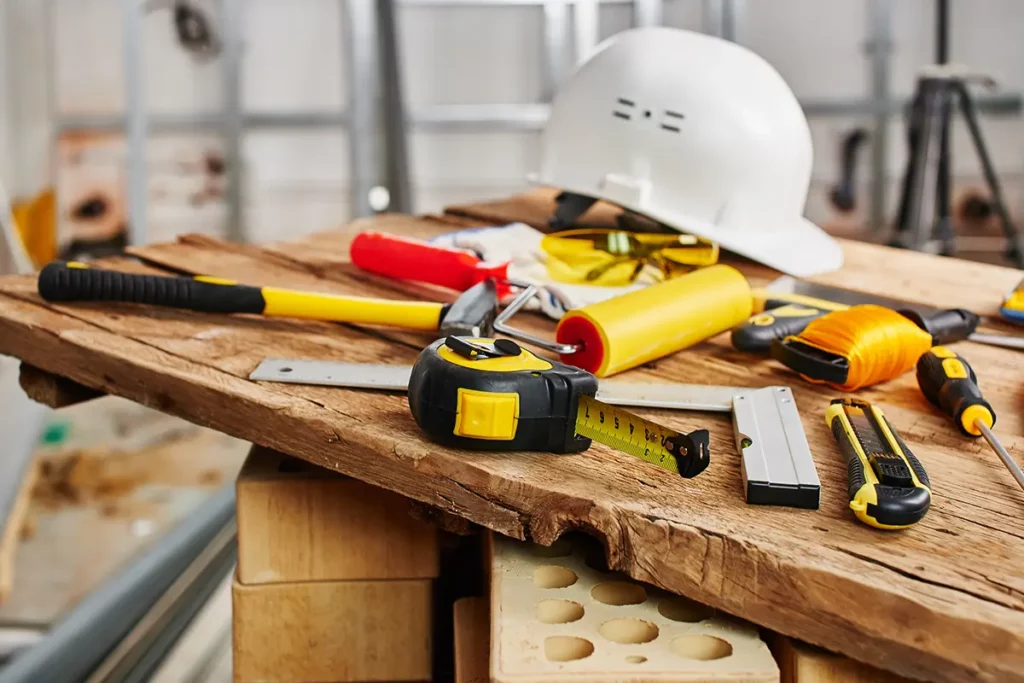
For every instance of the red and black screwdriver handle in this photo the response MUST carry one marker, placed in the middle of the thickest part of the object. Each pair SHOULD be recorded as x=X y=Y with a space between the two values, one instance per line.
x=949 y=382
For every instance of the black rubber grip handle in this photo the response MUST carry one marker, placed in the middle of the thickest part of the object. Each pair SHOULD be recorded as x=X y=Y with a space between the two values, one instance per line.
x=756 y=335
x=952 y=325
x=915 y=464
x=854 y=467
x=811 y=361
x=59 y=282
x=952 y=394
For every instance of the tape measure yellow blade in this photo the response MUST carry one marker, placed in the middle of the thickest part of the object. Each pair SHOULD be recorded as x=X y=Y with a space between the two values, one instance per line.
x=683 y=454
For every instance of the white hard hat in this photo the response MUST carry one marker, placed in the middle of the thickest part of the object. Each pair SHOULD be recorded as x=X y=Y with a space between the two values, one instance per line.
x=699 y=134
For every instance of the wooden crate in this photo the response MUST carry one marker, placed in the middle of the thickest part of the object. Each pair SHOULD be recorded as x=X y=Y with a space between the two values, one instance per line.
x=472 y=640
x=802 y=663
x=299 y=522
x=332 y=631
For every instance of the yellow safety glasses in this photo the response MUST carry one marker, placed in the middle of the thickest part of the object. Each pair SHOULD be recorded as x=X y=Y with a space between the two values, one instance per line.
x=614 y=258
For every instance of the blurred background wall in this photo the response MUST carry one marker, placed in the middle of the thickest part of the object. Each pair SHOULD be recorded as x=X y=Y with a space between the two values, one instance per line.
x=297 y=181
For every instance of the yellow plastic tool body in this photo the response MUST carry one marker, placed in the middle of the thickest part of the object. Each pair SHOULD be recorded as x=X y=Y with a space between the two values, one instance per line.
x=488 y=394
x=635 y=328
x=888 y=486
x=414 y=315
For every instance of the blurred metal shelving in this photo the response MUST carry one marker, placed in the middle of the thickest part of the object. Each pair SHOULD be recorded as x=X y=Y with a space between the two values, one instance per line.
x=377 y=120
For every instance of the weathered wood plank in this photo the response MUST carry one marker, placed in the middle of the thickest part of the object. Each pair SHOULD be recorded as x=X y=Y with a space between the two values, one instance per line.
x=53 y=390
x=944 y=600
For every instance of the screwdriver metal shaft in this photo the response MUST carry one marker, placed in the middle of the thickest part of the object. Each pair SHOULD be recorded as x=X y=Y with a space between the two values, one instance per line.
x=1007 y=459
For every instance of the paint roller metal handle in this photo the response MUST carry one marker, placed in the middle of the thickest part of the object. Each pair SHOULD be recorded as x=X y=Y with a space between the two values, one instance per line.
x=68 y=282
x=402 y=258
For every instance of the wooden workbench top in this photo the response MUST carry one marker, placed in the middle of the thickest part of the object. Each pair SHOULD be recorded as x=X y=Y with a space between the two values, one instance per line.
x=943 y=600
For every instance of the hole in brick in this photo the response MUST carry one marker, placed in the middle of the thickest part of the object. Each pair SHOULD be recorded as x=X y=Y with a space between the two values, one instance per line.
x=701 y=647
x=628 y=631
x=553 y=576
x=636 y=659
x=567 y=648
x=619 y=593
x=559 y=611
x=681 y=609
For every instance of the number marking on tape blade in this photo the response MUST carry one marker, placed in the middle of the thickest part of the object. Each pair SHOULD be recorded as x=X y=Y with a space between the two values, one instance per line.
x=623 y=431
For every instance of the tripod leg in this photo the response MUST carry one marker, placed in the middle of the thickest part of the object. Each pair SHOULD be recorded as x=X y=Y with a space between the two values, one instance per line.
x=1015 y=251
x=916 y=235
x=943 y=200
x=914 y=118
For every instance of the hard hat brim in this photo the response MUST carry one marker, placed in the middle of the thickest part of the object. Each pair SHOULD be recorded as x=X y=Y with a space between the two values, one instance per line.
x=799 y=248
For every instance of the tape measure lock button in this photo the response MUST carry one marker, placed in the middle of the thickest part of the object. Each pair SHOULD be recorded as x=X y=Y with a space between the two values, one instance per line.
x=486 y=415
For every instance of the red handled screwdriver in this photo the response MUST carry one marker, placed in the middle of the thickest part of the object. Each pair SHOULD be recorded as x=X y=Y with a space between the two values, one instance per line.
x=949 y=382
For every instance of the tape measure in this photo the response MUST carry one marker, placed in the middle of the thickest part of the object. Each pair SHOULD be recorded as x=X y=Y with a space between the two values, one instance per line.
x=888 y=486
x=488 y=394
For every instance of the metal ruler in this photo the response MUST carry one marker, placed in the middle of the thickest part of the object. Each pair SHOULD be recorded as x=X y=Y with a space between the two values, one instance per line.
x=776 y=461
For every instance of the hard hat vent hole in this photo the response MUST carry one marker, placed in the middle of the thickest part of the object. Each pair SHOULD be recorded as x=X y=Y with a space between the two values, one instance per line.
x=671 y=117
x=624 y=103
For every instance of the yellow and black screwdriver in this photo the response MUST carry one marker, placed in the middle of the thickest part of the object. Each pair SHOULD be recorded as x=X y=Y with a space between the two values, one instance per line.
x=949 y=382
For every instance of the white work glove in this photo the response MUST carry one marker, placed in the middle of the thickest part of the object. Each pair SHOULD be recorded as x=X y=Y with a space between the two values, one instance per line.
x=519 y=244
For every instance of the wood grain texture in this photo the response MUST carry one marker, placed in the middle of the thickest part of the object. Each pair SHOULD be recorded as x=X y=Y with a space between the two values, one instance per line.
x=472 y=640
x=53 y=390
x=332 y=631
x=801 y=663
x=943 y=600
x=298 y=522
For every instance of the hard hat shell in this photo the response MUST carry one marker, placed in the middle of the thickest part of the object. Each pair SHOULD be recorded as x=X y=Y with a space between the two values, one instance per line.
x=696 y=132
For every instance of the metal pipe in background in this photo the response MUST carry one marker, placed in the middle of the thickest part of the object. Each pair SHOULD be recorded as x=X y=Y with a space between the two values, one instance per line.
x=488 y=117
x=81 y=640
x=364 y=96
x=233 y=120
x=941 y=31
x=136 y=133
x=395 y=121
x=139 y=654
x=879 y=47
x=721 y=18
x=585 y=28
x=645 y=13
x=556 y=54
